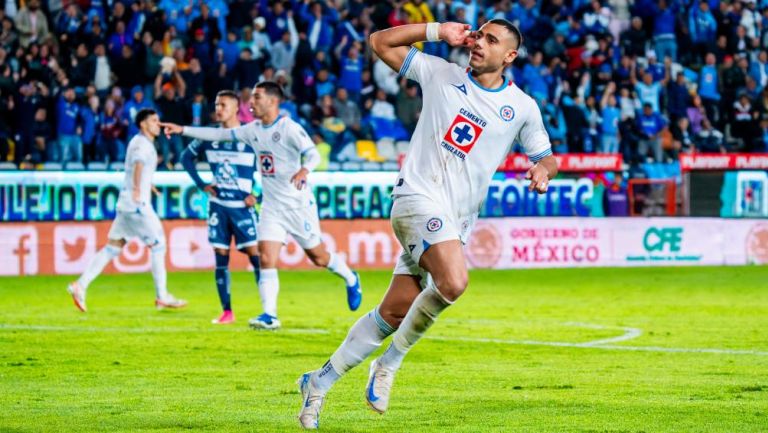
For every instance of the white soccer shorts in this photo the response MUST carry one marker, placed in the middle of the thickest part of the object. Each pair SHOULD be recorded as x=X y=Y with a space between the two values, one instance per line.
x=418 y=223
x=303 y=224
x=145 y=226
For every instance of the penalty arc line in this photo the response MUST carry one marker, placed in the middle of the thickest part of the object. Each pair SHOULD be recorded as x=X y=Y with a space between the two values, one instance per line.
x=601 y=347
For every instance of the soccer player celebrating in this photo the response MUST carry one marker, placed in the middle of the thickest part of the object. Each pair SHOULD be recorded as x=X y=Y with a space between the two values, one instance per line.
x=135 y=216
x=231 y=205
x=286 y=156
x=470 y=120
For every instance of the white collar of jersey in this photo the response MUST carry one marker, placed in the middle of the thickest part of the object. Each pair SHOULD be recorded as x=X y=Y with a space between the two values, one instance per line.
x=279 y=116
x=498 y=89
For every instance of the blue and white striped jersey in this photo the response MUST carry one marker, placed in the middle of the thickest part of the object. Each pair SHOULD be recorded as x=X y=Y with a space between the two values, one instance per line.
x=233 y=165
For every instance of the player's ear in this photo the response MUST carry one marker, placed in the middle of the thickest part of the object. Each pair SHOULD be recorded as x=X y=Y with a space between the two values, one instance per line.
x=510 y=57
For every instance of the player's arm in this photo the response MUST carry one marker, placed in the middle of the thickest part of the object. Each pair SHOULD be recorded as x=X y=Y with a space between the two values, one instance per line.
x=299 y=139
x=541 y=173
x=207 y=133
x=137 y=168
x=188 y=162
x=392 y=45
x=535 y=140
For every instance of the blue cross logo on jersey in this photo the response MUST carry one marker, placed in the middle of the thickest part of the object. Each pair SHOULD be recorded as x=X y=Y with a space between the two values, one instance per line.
x=267 y=163
x=462 y=132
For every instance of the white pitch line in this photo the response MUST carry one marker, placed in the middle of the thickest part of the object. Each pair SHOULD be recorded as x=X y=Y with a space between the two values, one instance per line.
x=629 y=333
x=139 y=330
x=604 y=347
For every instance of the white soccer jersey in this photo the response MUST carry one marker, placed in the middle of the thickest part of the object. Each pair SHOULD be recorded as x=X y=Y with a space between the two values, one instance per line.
x=464 y=133
x=140 y=149
x=279 y=148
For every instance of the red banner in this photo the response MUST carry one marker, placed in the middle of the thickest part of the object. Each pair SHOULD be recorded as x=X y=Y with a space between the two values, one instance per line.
x=50 y=248
x=717 y=161
x=573 y=162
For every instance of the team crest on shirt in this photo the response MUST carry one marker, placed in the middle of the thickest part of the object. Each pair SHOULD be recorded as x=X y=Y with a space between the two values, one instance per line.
x=240 y=146
x=434 y=224
x=507 y=113
x=267 y=164
x=276 y=137
x=463 y=133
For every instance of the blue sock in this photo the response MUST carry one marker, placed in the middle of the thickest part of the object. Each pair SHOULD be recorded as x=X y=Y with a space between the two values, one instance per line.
x=222 y=281
x=256 y=267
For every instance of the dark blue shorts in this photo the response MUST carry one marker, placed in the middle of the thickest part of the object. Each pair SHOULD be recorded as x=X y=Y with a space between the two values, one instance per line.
x=225 y=222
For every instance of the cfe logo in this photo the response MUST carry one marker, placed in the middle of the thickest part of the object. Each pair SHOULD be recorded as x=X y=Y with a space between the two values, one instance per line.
x=18 y=250
x=659 y=239
x=461 y=136
x=73 y=247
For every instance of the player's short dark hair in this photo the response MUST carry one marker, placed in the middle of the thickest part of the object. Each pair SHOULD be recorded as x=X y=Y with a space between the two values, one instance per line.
x=143 y=114
x=228 y=94
x=510 y=28
x=272 y=89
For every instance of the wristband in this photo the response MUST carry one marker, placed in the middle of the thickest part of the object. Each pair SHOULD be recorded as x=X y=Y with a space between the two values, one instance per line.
x=433 y=32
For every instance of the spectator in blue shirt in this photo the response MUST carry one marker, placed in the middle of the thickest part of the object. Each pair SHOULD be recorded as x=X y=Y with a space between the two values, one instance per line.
x=276 y=17
x=132 y=107
x=320 y=24
x=664 y=31
x=67 y=129
x=351 y=75
x=650 y=124
x=611 y=114
x=702 y=27
x=708 y=87
x=230 y=49
x=91 y=116
x=647 y=90
x=533 y=77
x=325 y=83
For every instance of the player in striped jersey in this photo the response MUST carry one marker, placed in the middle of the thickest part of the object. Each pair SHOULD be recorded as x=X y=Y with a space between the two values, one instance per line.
x=231 y=202
x=286 y=157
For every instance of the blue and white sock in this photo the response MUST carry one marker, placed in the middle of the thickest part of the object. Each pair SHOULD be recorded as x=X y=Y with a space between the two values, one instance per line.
x=223 y=281
x=340 y=268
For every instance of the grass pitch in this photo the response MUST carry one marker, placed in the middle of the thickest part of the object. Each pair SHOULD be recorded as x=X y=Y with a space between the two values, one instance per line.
x=597 y=350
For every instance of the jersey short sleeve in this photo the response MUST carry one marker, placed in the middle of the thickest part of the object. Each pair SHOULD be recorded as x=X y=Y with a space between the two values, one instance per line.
x=298 y=138
x=533 y=136
x=246 y=133
x=141 y=153
x=421 y=67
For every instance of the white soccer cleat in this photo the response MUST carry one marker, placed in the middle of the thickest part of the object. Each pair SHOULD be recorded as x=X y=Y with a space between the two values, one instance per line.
x=311 y=403
x=265 y=321
x=169 y=301
x=380 y=381
x=78 y=295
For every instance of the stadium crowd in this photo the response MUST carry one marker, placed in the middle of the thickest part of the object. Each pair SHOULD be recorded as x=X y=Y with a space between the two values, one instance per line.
x=647 y=78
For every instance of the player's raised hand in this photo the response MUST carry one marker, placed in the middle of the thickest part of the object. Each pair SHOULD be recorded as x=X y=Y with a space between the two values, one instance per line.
x=299 y=180
x=457 y=34
x=539 y=178
x=171 y=128
x=210 y=189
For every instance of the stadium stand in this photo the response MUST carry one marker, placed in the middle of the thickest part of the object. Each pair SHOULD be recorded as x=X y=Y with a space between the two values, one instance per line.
x=74 y=74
